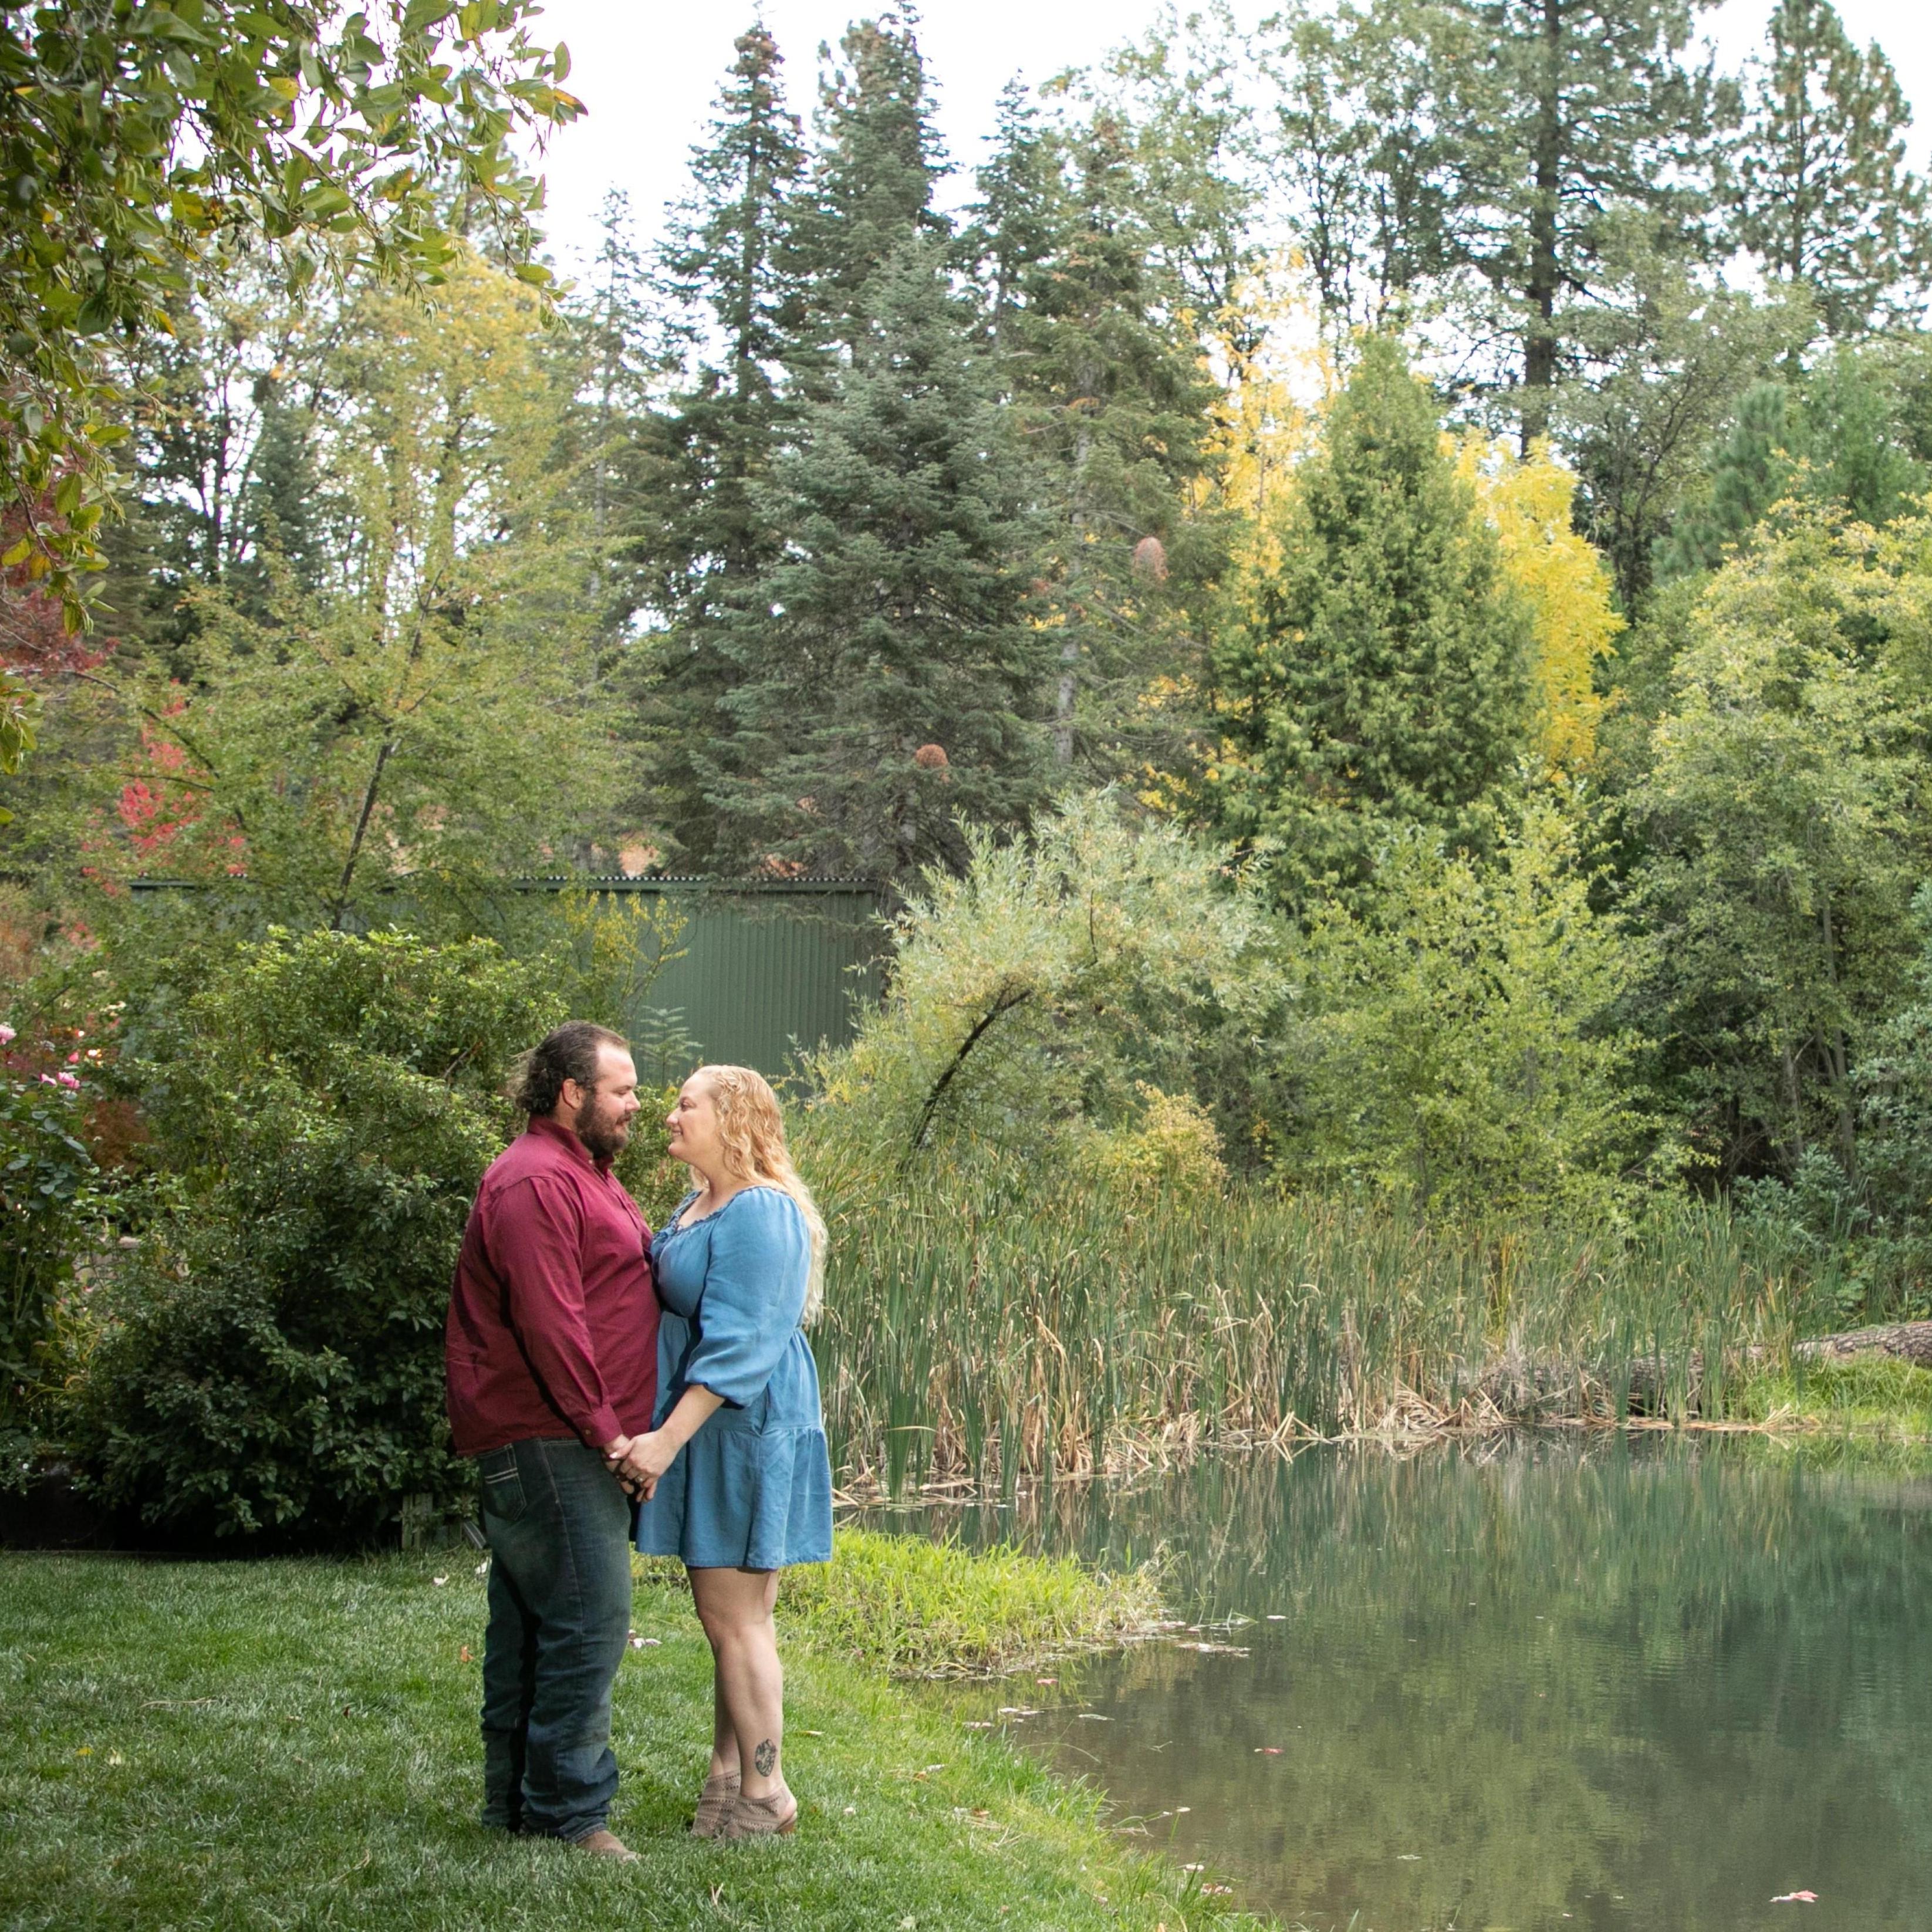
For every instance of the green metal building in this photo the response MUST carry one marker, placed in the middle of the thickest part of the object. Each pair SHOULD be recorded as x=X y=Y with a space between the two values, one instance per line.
x=765 y=968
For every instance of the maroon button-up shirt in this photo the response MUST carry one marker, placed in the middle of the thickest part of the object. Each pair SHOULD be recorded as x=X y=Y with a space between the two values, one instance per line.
x=553 y=1327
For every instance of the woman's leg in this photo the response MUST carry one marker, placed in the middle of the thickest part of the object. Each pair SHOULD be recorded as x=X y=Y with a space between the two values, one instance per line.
x=735 y=1606
x=723 y=1739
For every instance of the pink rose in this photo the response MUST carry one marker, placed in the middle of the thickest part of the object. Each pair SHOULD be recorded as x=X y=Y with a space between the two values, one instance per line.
x=69 y=1080
x=7 y=1035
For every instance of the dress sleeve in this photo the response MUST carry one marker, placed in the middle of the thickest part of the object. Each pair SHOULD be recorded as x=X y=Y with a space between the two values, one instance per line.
x=754 y=1284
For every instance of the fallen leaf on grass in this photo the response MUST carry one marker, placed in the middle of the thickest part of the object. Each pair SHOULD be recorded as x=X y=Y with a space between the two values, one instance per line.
x=439 y=1581
x=1796 y=1898
x=1046 y=1680
x=1217 y=1892
x=810 y=1734
x=1095 y=1717
x=1268 y=1750
x=463 y=1656
x=483 y=1568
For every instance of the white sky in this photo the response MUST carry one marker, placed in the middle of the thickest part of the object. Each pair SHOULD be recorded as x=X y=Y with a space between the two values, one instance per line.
x=648 y=73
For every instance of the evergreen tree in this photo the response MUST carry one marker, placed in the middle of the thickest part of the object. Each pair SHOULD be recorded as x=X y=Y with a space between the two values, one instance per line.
x=281 y=505
x=1356 y=142
x=1094 y=347
x=1821 y=192
x=729 y=275
x=889 y=668
x=1750 y=469
x=625 y=458
x=1570 y=125
x=871 y=188
x=1378 y=678
x=1835 y=437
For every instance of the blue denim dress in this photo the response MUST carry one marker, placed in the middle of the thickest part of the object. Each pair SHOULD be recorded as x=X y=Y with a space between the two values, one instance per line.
x=752 y=1489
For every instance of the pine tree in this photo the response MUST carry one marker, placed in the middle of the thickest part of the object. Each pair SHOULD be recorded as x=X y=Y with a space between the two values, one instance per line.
x=281 y=503
x=1566 y=123
x=1094 y=347
x=732 y=285
x=889 y=669
x=1836 y=436
x=1749 y=470
x=1358 y=145
x=1822 y=194
x=1378 y=678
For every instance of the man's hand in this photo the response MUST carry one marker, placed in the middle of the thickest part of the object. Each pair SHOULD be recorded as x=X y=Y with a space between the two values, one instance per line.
x=613 y=1453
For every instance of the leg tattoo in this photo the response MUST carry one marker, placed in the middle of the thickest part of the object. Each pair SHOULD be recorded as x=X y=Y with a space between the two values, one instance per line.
x=765 y=1756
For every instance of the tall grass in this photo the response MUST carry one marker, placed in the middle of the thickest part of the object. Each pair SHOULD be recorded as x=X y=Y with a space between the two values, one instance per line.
x=986 y=1324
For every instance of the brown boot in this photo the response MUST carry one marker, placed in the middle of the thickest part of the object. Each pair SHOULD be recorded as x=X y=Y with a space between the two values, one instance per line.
x=773 y=1817
x=714 y=1804
x=606 y=1845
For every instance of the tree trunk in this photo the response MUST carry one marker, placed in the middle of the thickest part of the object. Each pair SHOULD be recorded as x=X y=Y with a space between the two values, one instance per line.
x=1539 y=359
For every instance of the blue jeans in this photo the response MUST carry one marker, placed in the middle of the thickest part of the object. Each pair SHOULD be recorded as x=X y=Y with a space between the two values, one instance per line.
x=559 y=1527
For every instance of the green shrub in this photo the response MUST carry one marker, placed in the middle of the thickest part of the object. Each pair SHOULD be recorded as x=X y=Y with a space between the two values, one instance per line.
x=270 y=1362
x=47 y=1176
x=1051 y=990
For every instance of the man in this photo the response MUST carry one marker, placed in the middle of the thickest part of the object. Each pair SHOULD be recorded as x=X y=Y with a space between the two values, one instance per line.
x=551 y=1353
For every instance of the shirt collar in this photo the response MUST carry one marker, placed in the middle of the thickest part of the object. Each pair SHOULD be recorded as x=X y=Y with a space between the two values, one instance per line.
x=542 y=1124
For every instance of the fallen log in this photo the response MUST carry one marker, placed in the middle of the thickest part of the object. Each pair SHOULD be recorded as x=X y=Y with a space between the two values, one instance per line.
x=1524 y=1388
x=1910 y=1341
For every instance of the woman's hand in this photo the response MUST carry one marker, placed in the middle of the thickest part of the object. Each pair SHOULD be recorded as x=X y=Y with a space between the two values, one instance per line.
x=646 y=1459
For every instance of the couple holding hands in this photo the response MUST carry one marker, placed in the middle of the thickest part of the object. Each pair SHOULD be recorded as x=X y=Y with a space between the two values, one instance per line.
x=612 y=1383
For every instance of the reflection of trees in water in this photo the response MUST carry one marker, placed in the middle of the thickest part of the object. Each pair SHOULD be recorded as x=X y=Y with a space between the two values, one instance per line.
x=1677 y=1676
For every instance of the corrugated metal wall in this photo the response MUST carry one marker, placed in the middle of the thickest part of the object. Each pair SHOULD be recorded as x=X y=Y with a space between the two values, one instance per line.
x=768 y=969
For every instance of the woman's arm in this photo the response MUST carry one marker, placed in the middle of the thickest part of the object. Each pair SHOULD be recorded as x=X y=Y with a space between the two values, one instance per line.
x=649 y=1455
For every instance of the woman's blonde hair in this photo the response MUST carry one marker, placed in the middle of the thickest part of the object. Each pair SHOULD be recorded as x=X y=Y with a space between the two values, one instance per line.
x=751 y=1129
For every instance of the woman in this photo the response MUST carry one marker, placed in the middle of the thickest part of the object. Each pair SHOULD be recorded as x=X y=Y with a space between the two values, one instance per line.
x=734 y=1474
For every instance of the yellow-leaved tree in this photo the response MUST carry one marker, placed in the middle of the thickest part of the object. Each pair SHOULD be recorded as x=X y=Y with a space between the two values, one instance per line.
x=1528 y=502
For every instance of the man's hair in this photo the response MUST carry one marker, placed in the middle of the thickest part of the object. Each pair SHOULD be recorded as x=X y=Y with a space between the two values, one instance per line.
x=569 y=1052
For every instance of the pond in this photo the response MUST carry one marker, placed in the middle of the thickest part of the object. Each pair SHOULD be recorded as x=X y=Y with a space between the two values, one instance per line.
x=1538 y=1686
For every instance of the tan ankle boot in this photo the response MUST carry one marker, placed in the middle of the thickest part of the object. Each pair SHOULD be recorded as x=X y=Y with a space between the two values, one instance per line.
x=773 y=1817
x=606 y=1845
x=714 y=1804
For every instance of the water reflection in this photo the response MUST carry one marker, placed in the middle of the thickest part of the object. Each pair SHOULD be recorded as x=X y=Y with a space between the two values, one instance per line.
x=1532 y=1687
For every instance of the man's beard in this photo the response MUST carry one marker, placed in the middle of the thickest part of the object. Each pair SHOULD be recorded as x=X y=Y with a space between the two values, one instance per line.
x=603 y=1133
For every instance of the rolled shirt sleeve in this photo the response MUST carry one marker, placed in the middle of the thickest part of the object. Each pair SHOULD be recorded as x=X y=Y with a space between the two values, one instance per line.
x=537 y=1255
x=755 y=1287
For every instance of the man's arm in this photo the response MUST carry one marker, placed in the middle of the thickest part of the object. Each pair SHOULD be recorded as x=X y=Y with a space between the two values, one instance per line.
x=536 y=1247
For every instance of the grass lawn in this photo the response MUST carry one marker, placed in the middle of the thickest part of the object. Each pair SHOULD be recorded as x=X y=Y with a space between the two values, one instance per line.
x=283 y=1744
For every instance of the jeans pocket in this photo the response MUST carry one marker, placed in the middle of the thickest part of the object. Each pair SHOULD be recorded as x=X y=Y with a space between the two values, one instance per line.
x=502 y=1484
